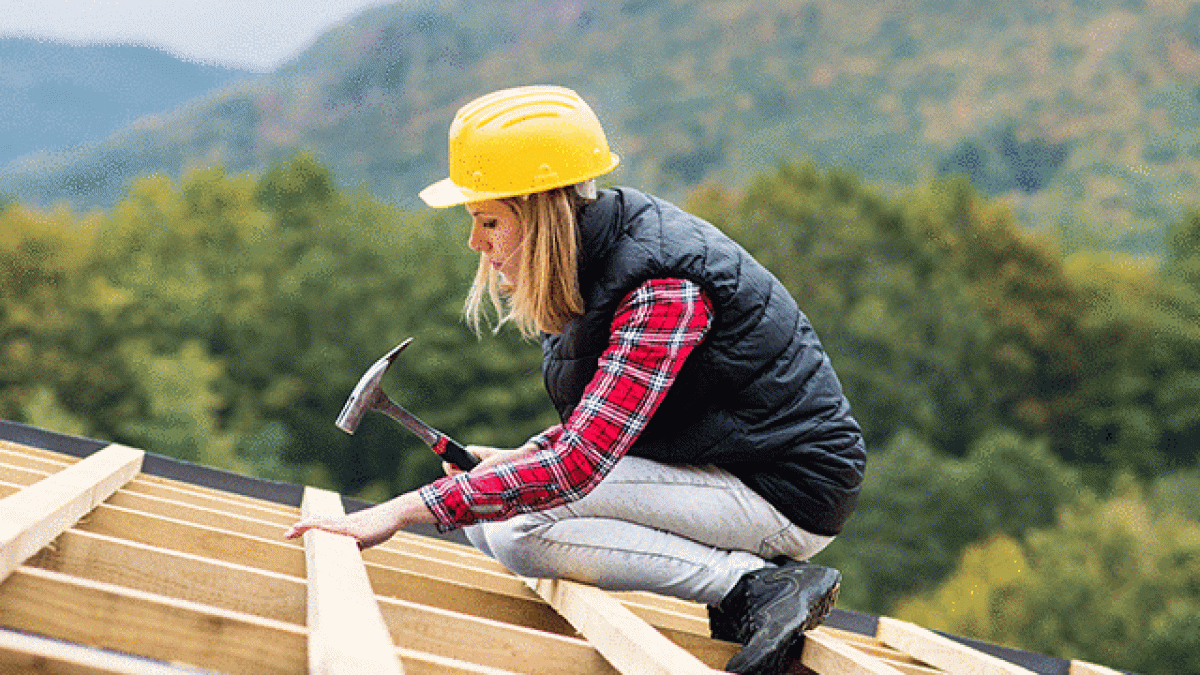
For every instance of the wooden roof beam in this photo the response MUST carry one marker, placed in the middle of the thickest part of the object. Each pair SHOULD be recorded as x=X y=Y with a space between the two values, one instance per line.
x=827 y=655
x=129 y=497
x=50 y=458
x=410 y=552
x=140 y=530
x=183 y=576
x=33 y=517
x=421 y=599
x=145 y=627
x=499 y=643
x=160 y=487
x=274 y=555
x=112 y=617
x=431 y=630
x=347 y=635
x=941 y=651
x=631 y=645
x=462 y=586
x=22 y=654
x=873 y=647
x=678 y=616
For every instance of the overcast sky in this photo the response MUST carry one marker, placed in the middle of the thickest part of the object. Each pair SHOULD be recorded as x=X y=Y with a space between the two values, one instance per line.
x=254 y=34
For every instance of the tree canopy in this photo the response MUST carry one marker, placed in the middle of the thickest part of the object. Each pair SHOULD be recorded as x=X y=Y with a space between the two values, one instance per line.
x=1112 y=582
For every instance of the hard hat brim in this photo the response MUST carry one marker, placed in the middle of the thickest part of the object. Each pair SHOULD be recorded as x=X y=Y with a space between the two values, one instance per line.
x=446 y=192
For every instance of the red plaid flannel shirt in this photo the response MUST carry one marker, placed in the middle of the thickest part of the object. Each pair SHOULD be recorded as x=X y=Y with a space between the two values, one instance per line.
x=654 y=329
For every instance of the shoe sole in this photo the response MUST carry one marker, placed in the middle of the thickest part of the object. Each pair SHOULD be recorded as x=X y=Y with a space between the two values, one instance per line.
x=820 y=610
x=792 y=647
x=793 y=650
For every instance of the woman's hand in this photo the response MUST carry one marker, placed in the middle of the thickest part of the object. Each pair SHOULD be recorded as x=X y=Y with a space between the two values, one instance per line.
x=370 y=526
x=489 y=456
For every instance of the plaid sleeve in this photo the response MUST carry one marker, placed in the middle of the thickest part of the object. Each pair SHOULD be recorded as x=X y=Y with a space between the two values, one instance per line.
x=654 y=329
x=546 y=438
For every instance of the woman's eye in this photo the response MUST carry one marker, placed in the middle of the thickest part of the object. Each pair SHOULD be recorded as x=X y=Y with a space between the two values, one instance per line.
x=489 y=224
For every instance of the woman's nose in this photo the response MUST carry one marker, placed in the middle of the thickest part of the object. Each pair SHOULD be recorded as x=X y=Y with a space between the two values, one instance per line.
x=476 y=240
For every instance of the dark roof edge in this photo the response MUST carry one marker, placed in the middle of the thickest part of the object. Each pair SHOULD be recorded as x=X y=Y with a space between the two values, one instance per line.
x=291 y=495
x=67 y=444
x=158 y=465
x=1038 y=663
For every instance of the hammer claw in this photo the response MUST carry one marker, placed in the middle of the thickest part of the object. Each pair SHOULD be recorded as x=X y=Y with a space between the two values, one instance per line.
x=368 y=394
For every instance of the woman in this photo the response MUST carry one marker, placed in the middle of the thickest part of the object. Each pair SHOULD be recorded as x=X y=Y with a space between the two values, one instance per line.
x=705 y=450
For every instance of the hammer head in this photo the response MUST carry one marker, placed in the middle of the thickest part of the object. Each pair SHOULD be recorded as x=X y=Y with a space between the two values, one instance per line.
x=367 y=392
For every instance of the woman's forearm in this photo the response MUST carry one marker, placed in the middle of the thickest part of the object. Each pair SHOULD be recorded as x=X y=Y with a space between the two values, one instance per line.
x=369 y=526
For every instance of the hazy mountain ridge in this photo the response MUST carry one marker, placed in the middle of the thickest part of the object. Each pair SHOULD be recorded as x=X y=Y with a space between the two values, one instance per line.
x=1084 y=113
x=54 y=96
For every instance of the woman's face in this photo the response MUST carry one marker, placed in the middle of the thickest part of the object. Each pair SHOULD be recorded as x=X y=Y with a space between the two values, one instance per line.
x=496 y=233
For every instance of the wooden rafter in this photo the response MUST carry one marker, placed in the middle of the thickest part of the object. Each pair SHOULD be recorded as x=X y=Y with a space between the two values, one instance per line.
x=407 y=561
x=182 y=576
x=941 y=651
x=347 y=635
x=433 y=629
x=631 y=645
x=21 y=653
x=33 y=517
x=113 y=617
x=871 y=646
x=275 y=555
x=825 y=654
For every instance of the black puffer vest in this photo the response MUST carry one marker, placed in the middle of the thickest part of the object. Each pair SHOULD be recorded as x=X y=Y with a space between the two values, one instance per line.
x=758 y=397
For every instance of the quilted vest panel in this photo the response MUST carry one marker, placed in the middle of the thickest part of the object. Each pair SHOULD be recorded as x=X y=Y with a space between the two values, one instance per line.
x=758 y=397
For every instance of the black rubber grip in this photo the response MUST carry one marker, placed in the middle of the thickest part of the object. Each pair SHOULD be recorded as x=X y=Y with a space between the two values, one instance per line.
x=452 y=451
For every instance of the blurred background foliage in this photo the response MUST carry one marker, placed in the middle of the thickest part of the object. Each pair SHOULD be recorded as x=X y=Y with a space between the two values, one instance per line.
x=1033 y=418
x=225 y=319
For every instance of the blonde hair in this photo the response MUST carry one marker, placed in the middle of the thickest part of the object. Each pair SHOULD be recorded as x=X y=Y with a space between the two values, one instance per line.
x=545 y=296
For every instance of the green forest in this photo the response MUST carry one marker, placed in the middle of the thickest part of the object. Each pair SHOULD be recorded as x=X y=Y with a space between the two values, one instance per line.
x=1032 y=416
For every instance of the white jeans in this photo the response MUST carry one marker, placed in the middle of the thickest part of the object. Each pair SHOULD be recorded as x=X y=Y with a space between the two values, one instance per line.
x=685 y=531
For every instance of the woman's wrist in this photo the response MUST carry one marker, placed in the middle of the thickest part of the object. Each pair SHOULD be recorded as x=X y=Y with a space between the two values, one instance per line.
x=409 y=508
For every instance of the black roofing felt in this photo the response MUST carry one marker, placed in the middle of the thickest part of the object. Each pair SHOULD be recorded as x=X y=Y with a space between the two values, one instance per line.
x=291 y=495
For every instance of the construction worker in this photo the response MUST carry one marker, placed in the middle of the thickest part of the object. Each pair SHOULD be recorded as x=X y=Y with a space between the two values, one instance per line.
x=705 y=450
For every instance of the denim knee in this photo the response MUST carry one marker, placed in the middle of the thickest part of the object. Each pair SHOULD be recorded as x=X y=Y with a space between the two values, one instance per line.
x=519 y=545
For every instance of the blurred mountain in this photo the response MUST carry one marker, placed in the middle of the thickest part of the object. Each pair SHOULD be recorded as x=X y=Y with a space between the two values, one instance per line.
x=55 y=96
x=1086 y=114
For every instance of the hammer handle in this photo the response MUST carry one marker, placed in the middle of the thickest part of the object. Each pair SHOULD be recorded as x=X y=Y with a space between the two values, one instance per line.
x=450 y=450
x=445 y=447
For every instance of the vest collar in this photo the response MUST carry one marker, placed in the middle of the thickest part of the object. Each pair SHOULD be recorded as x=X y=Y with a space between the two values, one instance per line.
x=599 y=225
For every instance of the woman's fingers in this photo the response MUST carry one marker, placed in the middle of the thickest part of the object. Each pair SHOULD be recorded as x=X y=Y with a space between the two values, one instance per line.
x=340 y=526
x=368 y=527
x=299 y=528
x=483 y=452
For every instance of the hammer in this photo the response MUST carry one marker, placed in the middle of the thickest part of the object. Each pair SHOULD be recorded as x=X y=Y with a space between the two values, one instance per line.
x=368 y=395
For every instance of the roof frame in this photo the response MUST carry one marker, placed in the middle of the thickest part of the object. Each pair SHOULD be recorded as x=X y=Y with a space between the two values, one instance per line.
x=131 y=571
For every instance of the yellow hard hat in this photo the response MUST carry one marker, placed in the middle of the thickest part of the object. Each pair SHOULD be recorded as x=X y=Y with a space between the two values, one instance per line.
x=520 y=141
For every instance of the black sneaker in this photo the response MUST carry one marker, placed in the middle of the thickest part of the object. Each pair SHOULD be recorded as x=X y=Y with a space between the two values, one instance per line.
x=769 y=610
x=721 y=625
